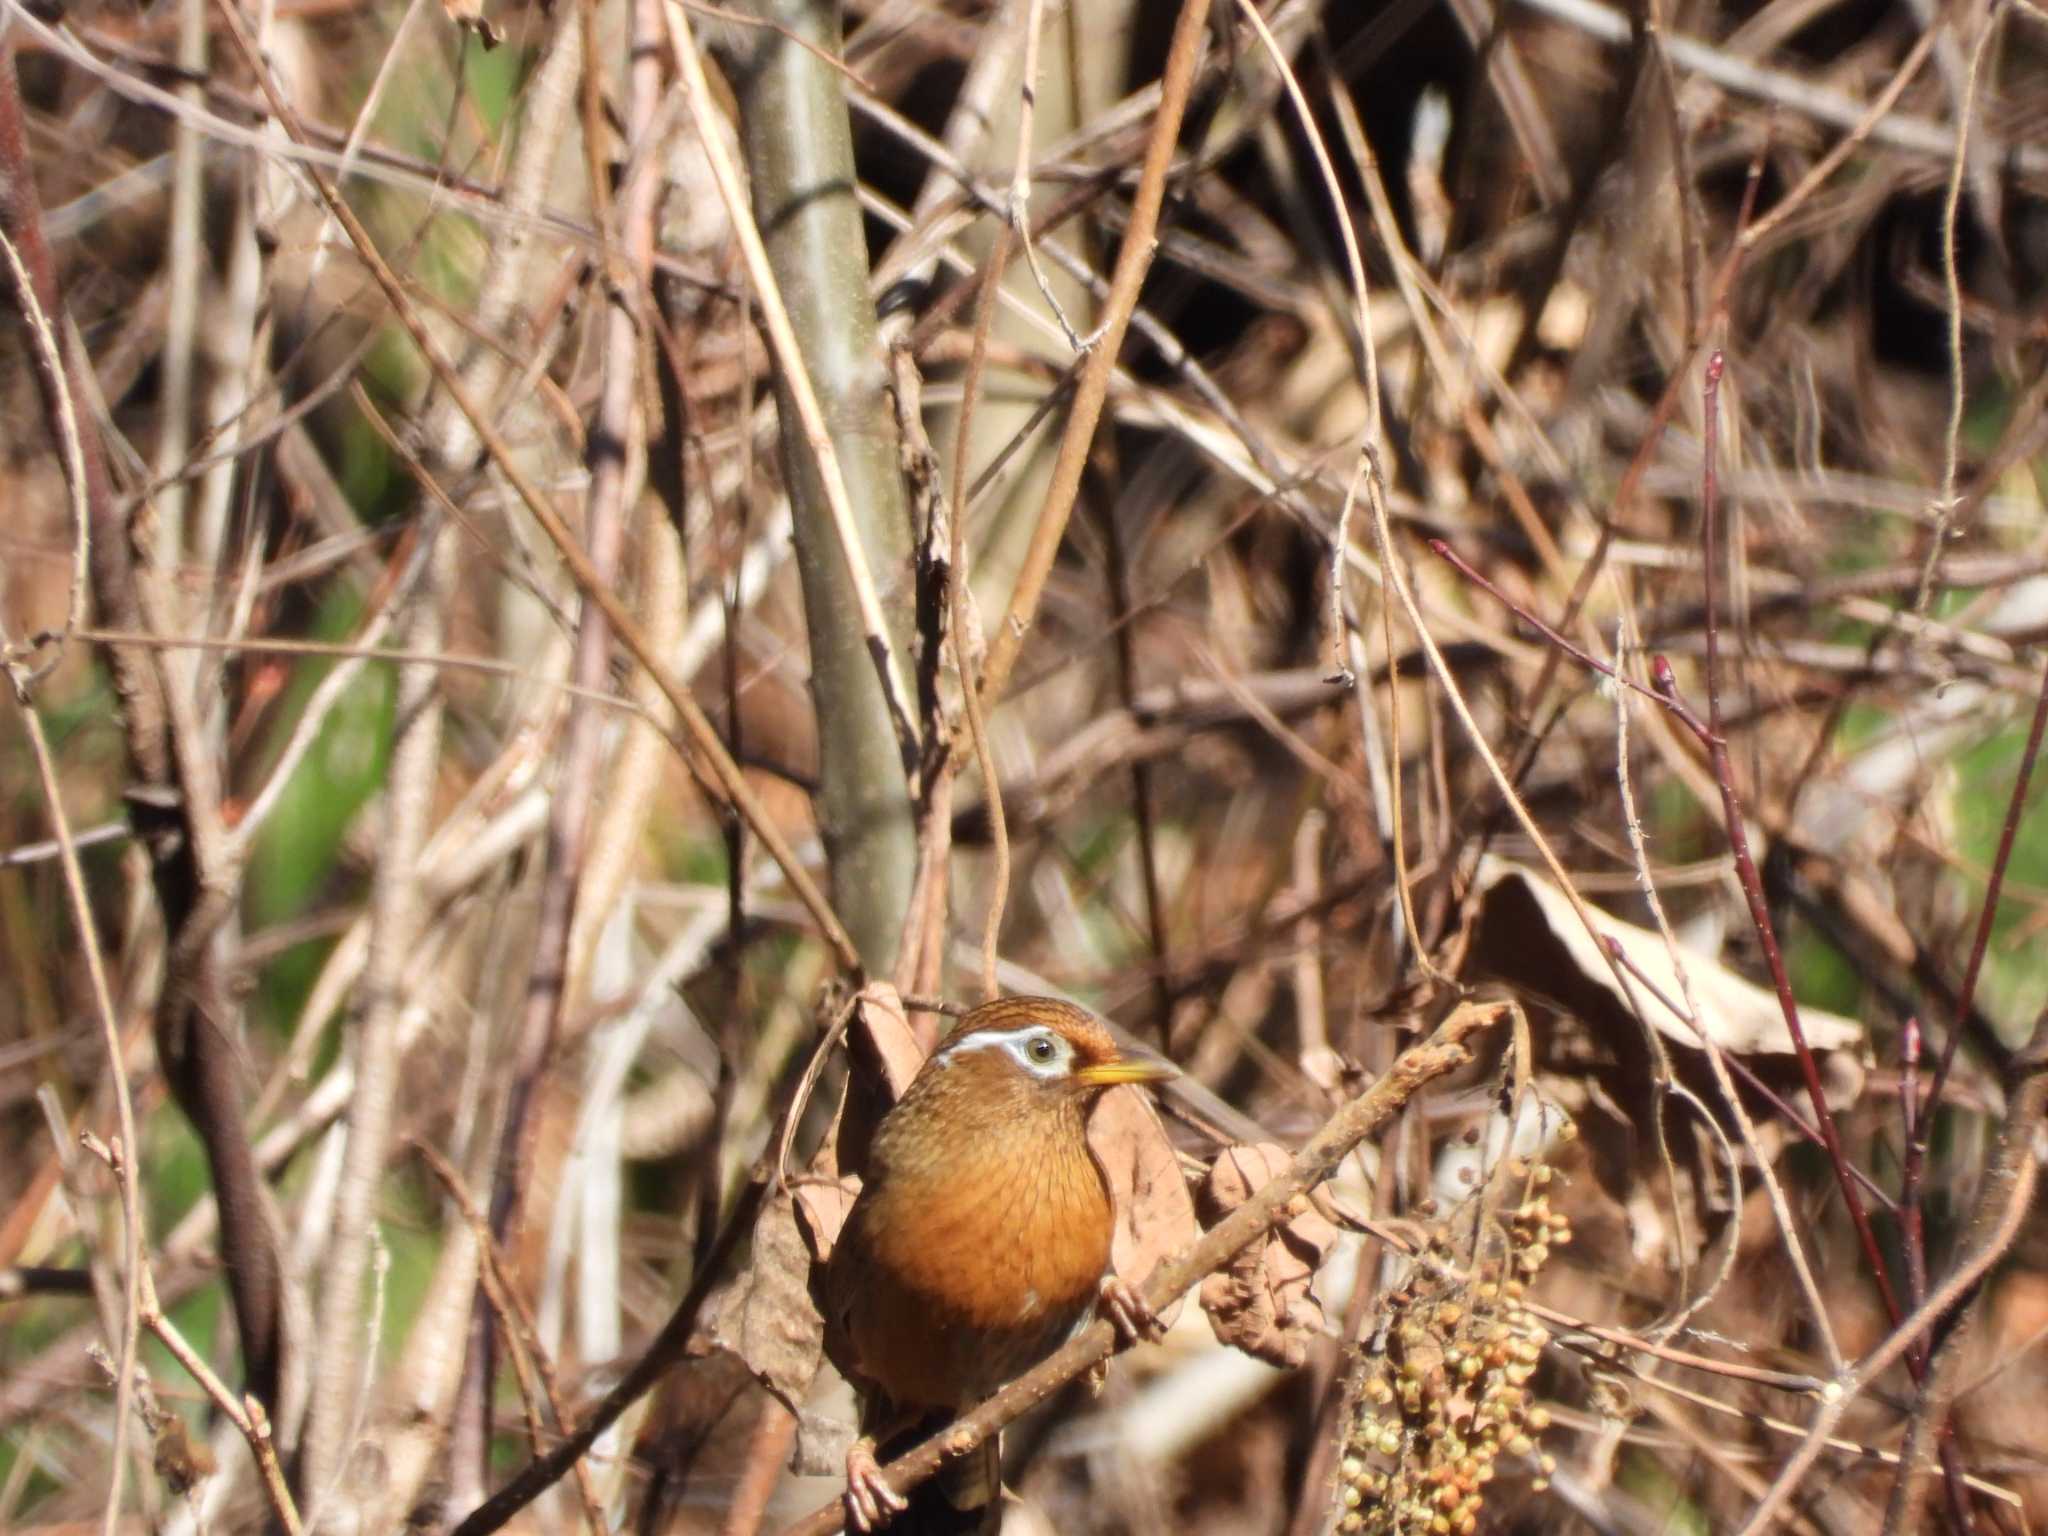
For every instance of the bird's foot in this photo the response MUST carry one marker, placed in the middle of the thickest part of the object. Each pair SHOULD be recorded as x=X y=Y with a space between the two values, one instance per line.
x=1128 y=1313
x=870 y=1501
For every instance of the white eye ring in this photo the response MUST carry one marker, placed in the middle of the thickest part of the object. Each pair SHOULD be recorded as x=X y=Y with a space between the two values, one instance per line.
x=1039 y=1052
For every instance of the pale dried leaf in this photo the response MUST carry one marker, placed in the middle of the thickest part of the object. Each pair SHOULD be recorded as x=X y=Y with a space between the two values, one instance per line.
x=768 y=1318
x=1155 y=1215
x=1739 y=1015
x=1264 y=1303
x=822 y=1206
x=880 y=1021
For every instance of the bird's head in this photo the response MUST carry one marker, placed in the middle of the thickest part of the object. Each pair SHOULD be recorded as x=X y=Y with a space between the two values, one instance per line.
x=1042 y=1044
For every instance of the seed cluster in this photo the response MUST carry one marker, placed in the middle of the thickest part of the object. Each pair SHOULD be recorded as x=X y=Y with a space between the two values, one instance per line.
x=1441 y=1388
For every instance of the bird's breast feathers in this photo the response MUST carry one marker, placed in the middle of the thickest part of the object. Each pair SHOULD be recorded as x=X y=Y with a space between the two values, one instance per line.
x=990 y=1275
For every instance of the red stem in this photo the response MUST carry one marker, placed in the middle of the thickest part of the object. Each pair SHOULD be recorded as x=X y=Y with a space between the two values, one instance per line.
x=1745 y=863
x=1912 y=1223
x=1676 y=705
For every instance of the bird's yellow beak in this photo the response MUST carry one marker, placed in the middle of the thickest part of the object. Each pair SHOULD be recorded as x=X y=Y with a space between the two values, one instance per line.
x=1127 y=1069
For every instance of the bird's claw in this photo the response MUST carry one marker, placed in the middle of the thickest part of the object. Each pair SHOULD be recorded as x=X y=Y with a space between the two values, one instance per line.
x=870 y=1501
x=1128 y=1312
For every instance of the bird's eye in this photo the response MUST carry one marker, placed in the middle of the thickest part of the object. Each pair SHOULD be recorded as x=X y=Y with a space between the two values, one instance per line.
x=1040 y=1047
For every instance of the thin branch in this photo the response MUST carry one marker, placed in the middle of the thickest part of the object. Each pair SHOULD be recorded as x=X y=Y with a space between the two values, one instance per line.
x=117 y=1067
x=1091 y=388
x=1717 y=1060
x=615 y=453
x=2012 y=1212
x=70 y=446
x=1020 y=175
x=516 y=1321
x=1677 y=706
x=247 y=1414
x=661 y=1356
x=969 y=644
x=1907 y=71
x=397 y=911
x=1951 y=276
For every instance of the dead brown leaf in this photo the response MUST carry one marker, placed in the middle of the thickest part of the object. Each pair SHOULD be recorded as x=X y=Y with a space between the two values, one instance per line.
x=881 y=1027
x=1155 y=1215
x=768 y=1318
x=1265 y=1302
x=1736 y=1012
x=822 y=1206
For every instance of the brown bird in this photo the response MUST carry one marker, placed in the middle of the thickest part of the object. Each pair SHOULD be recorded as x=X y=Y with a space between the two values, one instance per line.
x=979 y=1244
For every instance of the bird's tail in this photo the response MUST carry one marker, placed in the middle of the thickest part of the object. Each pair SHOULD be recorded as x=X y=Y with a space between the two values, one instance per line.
x=964 y=1499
